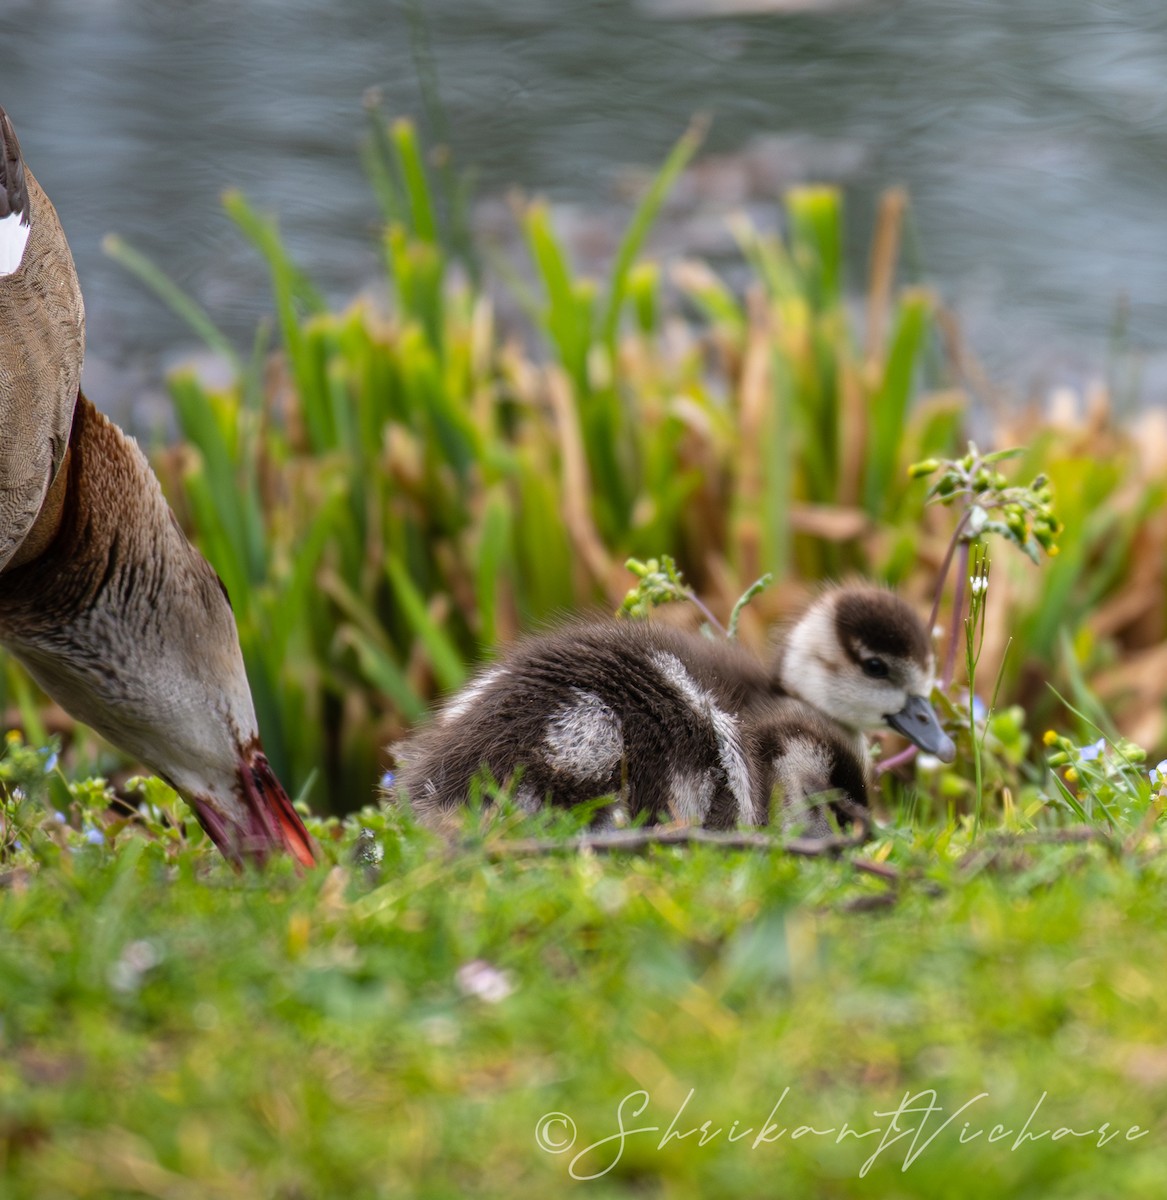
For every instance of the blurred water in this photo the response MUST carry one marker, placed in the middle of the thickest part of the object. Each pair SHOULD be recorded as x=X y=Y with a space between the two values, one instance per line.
x=1032 y=137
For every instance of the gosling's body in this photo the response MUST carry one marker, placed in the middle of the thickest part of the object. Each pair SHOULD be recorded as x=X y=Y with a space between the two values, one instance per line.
x=102 y=598
x=668 y=723
x=675 y=724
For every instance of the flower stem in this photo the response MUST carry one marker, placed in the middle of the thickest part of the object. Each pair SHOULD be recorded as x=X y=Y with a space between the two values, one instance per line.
x=957 y=613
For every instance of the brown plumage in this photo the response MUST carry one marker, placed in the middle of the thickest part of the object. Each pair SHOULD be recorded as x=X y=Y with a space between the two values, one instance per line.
x=42 y=323
x=102 y=598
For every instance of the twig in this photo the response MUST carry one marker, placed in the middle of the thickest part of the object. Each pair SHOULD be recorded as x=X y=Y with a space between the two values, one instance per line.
x=620 y=840
x=674 y=835
x=987 y=849
x=880 y=870
x=1052 y=837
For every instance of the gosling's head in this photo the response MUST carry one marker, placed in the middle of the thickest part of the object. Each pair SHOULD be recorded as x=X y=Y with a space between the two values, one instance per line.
x=863 y=656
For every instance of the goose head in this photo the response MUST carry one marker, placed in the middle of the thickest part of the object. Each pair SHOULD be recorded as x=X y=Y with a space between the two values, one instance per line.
x=102 y=598
x=863 y=656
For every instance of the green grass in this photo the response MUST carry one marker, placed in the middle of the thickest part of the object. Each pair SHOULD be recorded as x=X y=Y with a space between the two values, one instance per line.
x=171 y=1029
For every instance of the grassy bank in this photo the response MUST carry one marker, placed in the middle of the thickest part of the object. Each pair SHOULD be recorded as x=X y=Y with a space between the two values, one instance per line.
x=172 y=1030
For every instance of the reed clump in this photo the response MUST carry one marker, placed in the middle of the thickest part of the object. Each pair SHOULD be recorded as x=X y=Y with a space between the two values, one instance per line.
x=391 y=493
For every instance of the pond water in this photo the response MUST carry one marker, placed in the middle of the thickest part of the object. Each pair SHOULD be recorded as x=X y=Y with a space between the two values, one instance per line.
x=1032 y=138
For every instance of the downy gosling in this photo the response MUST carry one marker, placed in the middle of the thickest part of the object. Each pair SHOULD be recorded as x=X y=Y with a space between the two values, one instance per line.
x=675 y=725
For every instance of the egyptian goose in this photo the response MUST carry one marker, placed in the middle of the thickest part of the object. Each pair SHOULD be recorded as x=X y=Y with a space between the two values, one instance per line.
x=674 y=723
x=102 y=598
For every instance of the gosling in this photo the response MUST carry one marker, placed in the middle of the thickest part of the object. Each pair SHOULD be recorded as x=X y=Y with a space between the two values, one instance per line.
x=675 y=725
x=667 y=723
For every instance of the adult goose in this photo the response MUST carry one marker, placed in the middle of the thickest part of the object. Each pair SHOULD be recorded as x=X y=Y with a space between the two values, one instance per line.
x=102 y=598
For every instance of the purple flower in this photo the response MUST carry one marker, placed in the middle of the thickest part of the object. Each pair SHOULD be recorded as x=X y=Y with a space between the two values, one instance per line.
x=1091 y=752
x=486 y=982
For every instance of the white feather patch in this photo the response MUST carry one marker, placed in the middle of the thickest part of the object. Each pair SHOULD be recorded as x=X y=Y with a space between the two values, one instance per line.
x=802 y=772
x=13 y=240
x=527 y=799
x=690 y=796
x=586 y=738
x=725 y=728
x=465 y=700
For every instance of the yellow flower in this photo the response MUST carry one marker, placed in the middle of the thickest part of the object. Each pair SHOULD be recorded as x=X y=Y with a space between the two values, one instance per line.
x=1071 y=775
x=1049 y=738
x=1054 y=551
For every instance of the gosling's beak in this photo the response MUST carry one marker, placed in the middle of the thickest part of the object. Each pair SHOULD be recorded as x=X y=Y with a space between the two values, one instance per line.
x=918 y=722
x=261 y=821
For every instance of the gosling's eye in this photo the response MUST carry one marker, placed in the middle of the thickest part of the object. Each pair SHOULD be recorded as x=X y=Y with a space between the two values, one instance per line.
x=874 y=668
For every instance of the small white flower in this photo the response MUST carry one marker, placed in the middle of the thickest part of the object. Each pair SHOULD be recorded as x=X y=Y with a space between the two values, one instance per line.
x=136 y=959
x=141 y=955
x=979 y=585
x=1159 y=773
x=487 y=983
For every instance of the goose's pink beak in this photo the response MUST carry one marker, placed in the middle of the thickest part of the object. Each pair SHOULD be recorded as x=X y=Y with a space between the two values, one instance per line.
x=268 y=822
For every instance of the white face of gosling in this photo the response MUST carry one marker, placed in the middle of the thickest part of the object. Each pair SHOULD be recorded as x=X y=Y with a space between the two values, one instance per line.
x=874 y=683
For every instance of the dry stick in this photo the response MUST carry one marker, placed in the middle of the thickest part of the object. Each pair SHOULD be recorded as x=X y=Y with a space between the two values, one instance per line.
x=639 y=839
x=885 y=253
x=577 y=487
x=1052 y=837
